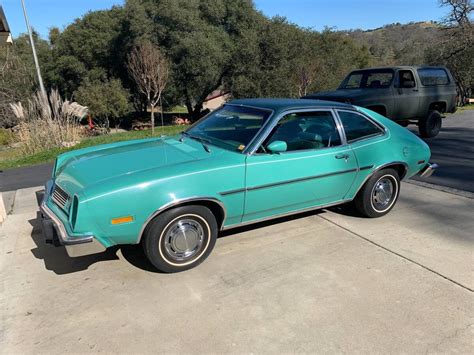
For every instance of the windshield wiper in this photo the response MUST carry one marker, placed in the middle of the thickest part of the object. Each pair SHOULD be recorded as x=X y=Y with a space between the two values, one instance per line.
x=203 y=141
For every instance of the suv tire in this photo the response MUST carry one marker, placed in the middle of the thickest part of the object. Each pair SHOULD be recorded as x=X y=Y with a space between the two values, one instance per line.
x=430 y=125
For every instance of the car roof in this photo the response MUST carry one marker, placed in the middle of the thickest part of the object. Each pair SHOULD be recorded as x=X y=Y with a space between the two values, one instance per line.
x=277 y=104
x=403 y=67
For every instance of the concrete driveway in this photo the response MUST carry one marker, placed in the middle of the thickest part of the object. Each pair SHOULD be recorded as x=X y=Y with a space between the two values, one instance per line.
x=320 y=282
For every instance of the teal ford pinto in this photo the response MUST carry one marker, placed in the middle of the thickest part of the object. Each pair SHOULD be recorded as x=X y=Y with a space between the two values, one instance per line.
x=249 y=161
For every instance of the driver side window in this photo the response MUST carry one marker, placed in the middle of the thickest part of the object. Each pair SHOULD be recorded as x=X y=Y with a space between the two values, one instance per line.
x=305 y=130
x=406 y=79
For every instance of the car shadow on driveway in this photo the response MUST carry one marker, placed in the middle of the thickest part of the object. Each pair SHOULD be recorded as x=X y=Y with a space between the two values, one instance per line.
x=345 y=209
x=57 y=260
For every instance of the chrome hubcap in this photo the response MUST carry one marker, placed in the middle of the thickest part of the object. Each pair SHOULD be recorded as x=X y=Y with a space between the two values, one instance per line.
x=184 y=239
x=382 y=193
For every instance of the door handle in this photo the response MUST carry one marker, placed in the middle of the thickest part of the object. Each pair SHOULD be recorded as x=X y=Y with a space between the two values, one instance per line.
x=342 y=156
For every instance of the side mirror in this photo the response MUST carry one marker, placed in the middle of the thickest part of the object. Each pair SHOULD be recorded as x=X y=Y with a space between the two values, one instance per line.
x=277 y=147
x=409 y=84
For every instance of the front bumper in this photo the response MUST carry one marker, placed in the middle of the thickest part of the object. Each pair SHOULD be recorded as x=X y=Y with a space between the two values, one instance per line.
x=428 y=170
x=55 y=232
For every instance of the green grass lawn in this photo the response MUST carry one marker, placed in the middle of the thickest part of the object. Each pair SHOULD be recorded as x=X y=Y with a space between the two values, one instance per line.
x=12 y=157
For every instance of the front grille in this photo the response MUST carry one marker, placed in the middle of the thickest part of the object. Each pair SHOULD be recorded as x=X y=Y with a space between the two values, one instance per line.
x=60 y=197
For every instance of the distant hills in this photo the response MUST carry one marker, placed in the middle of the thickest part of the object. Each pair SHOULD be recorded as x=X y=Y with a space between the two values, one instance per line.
x=398 y=44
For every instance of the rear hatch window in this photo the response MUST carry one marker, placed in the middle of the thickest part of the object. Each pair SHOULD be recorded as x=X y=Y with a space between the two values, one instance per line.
x=433 y=76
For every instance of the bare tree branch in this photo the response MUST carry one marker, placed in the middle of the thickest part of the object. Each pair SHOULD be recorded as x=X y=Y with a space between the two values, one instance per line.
x=149 y=68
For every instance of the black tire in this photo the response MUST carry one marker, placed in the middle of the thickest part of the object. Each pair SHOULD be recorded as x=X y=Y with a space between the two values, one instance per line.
x=165 y=246
x=430 y=125
x=367 y=200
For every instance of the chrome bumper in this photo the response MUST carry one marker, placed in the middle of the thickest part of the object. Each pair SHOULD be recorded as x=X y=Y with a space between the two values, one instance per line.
x=55 y=232
x=428 y=170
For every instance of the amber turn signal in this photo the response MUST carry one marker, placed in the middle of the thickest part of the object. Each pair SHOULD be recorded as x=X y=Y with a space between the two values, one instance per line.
x=121 y=220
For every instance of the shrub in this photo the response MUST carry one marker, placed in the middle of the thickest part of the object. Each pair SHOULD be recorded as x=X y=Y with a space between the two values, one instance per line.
x=46 y=124
x=6 y=136
x=106 y=100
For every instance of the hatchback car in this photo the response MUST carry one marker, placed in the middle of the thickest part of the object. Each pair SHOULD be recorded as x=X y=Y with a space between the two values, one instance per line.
x=248 y=161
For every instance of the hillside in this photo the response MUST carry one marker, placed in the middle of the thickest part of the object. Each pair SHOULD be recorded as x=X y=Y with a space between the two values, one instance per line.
x=398 y=44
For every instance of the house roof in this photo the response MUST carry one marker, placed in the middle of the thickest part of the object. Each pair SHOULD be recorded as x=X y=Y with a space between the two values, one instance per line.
x=5 y=35
x=215 y=94
x=3 y=22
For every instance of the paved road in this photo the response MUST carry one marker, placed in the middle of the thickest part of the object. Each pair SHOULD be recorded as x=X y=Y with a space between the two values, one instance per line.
x=453 y=150
x=325 y=282
x=20 y=178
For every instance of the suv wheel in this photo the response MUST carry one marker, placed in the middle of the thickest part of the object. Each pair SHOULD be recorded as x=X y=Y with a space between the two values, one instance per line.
x=379 y=194
x=430 y=126
x=181 y=238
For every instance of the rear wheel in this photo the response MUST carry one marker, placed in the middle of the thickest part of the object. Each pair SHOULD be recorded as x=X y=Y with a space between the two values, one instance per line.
x=181 y=238
x=430 y=125
x=379 y=194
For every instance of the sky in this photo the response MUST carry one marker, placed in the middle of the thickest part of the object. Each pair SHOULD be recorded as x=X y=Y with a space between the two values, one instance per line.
x=316 y=14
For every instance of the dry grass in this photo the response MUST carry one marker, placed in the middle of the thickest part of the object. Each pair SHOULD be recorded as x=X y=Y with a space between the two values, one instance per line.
x=45 y=124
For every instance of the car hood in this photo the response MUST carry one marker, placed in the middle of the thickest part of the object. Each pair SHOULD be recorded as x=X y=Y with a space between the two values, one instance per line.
x=100 y=165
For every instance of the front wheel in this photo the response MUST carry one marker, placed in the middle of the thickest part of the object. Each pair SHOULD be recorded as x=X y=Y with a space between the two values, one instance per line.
x=181 y=238
x=379 y=194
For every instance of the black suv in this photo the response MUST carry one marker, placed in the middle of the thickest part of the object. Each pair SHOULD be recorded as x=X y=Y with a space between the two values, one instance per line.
x=404 y=94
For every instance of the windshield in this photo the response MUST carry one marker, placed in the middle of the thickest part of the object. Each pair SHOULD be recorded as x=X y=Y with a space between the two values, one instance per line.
x=230 y=127
x=368 y=79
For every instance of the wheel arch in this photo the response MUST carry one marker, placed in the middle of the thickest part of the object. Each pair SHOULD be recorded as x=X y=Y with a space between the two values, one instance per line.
x=215 y=206
x=440 y=106
x=399 y=166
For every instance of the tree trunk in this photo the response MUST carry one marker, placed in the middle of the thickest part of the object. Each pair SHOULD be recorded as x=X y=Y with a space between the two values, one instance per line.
x=152 y=120
x=189 y=106
x=161 y=114
x=196 y=113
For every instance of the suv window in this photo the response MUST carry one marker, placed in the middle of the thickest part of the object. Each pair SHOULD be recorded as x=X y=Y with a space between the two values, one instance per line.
x=357 y=126
x=406 y=79
x=306 y=130
x=433 y=76
x=368 y=79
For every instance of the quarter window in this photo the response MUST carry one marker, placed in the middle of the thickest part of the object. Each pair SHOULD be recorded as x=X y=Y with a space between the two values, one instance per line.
x=357 y=126
x=433 y=76
x=306 y=130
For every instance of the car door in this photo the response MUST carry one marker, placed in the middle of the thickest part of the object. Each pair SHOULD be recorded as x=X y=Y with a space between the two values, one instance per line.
x=406 y=95
x=363 y=135
x=316 y=168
